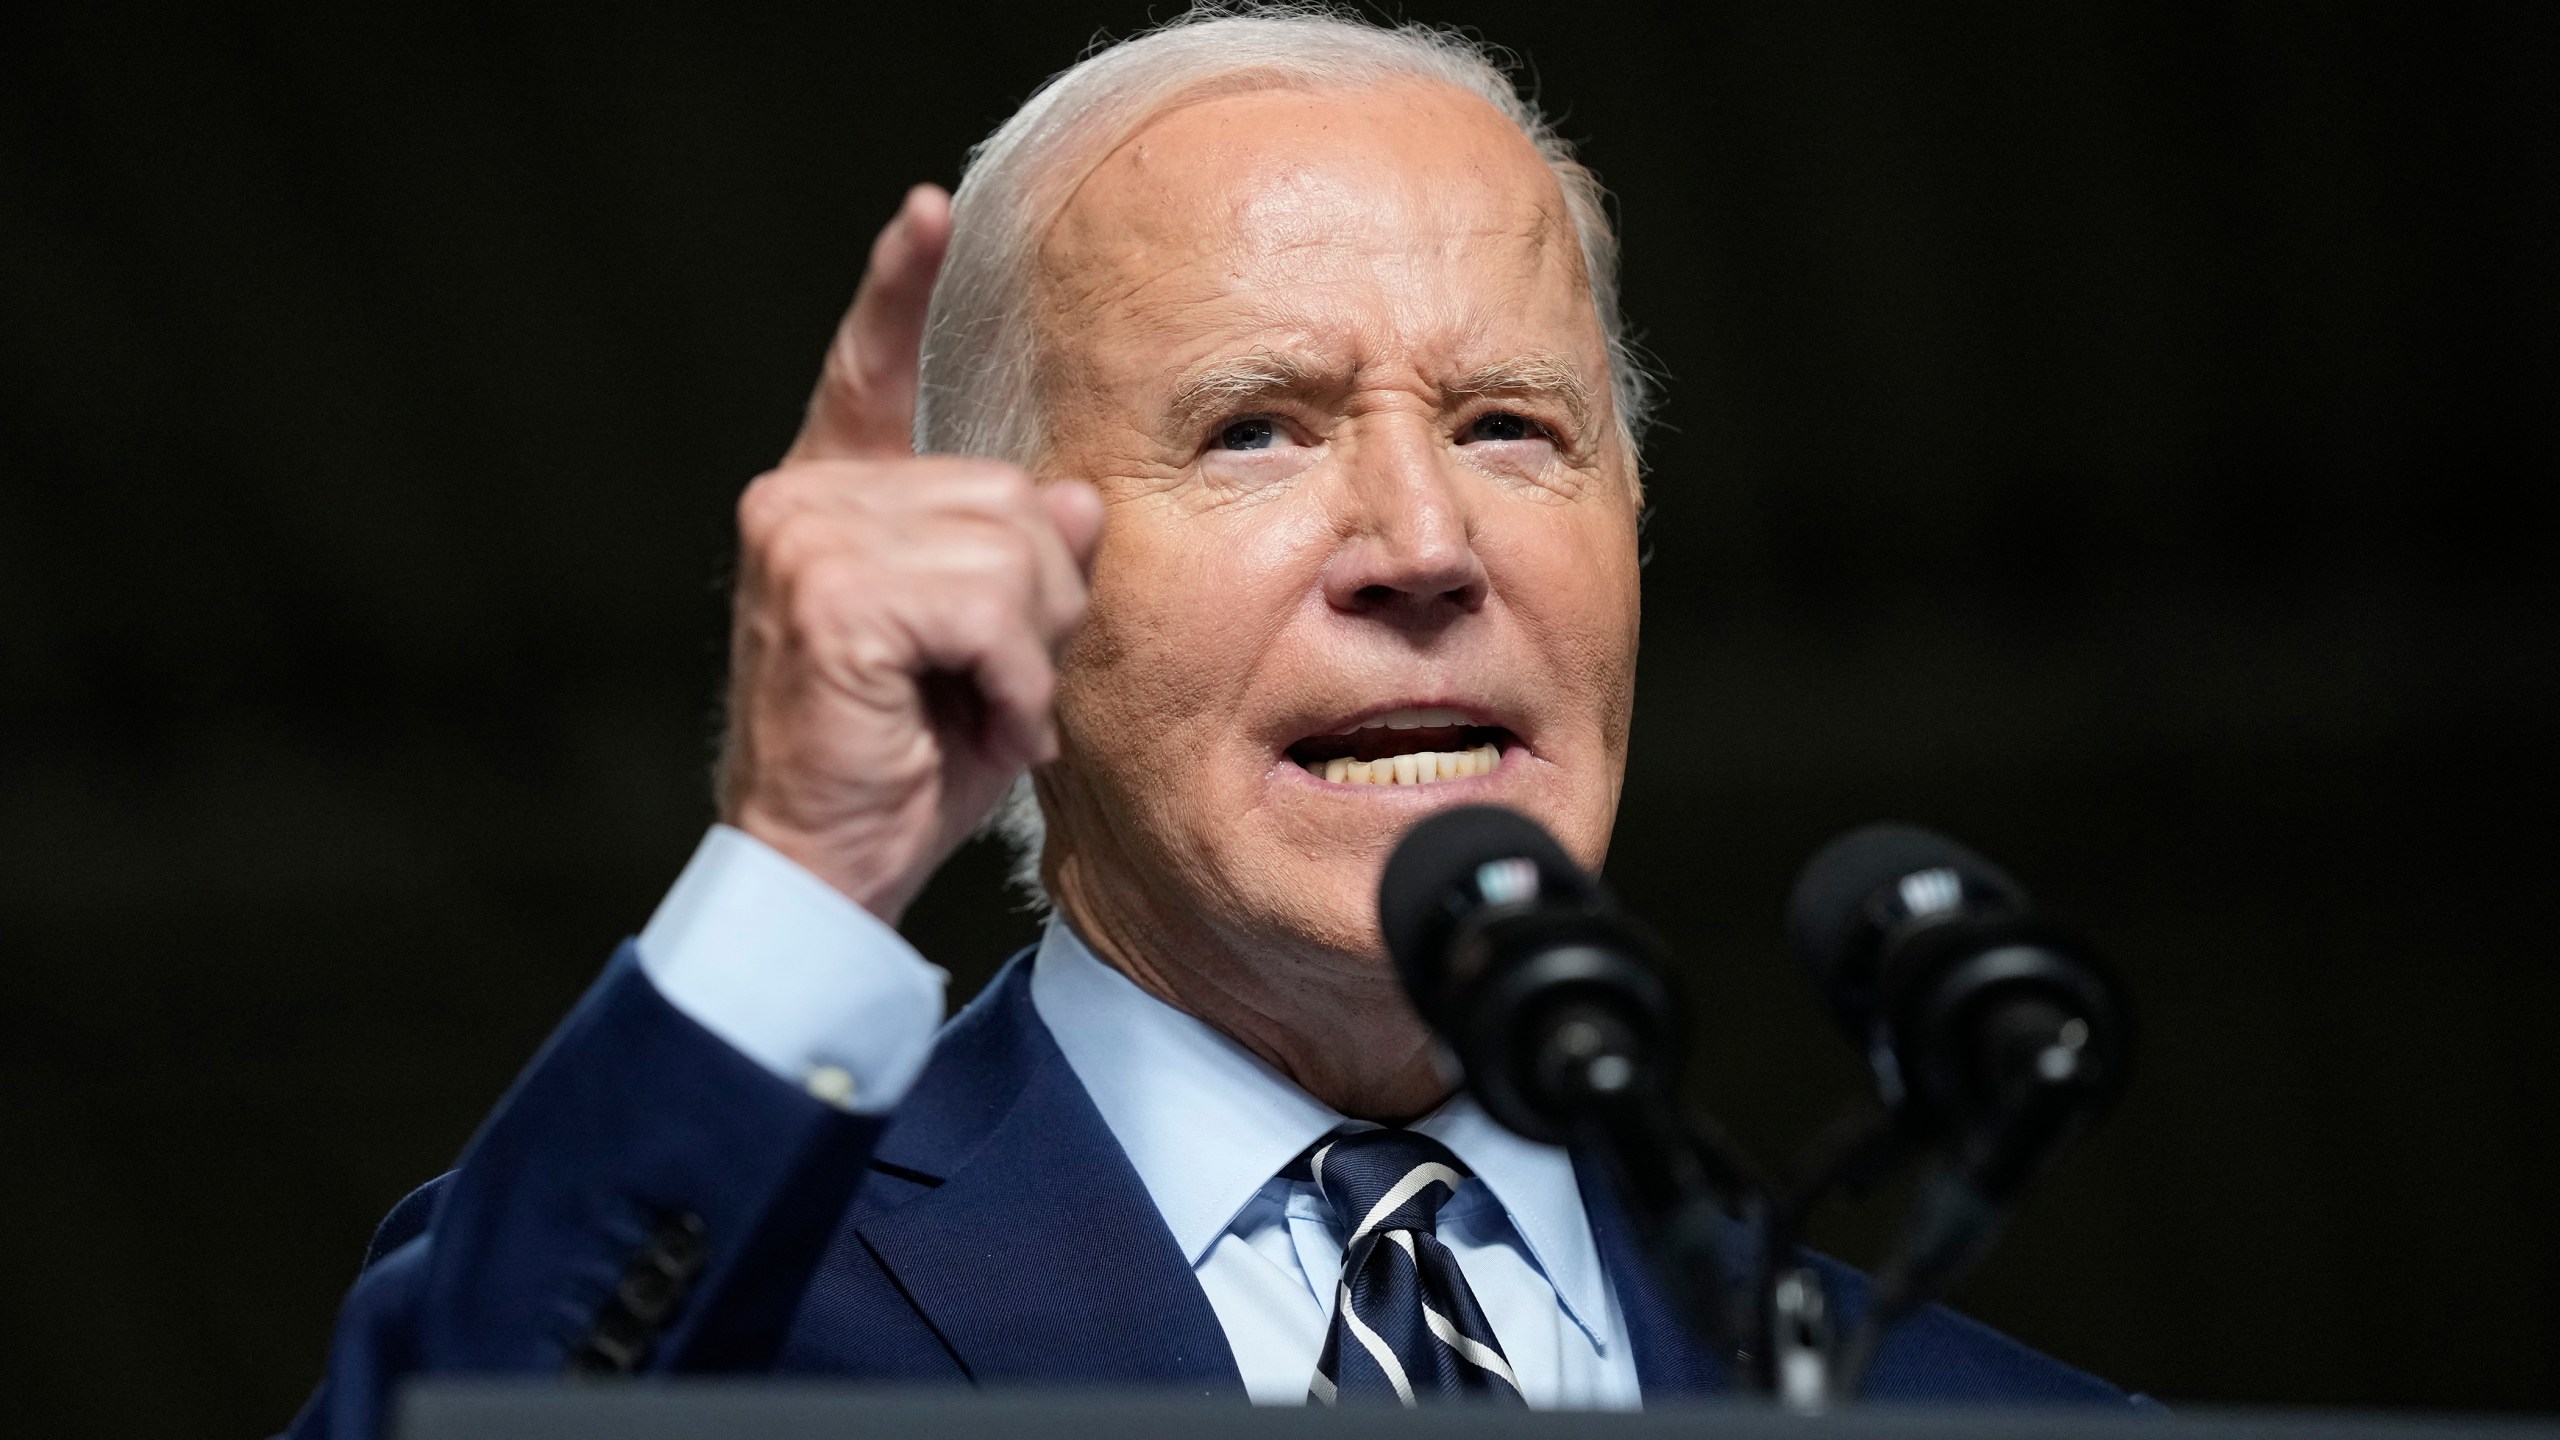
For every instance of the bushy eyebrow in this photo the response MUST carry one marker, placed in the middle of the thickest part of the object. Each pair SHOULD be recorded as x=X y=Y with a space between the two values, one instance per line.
x=1536 y=373
x=1232 y=386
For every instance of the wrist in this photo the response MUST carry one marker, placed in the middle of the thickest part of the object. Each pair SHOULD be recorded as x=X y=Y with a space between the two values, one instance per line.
x=871 y=869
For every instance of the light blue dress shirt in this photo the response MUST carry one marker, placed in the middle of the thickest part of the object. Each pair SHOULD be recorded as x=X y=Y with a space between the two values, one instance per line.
x=822 y=993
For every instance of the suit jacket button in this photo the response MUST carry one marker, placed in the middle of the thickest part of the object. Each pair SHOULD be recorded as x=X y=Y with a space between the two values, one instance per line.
x=653 y=1284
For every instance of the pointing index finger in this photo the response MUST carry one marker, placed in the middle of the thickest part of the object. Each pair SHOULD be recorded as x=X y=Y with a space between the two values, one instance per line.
x=864 y=406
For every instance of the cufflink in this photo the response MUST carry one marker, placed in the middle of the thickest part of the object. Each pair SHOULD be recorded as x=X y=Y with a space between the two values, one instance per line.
x=833 y=1084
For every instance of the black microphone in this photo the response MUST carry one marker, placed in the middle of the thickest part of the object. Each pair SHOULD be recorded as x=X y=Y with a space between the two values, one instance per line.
x=1989 y=1028
x=1560 y=1010
x=1994 y=1034
x=1551 y=998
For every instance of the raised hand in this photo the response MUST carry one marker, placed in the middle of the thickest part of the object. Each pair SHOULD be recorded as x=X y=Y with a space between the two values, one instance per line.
x=898 y=617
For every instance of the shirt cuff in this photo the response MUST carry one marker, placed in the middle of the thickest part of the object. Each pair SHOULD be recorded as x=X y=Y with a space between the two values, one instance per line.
x=800 y=979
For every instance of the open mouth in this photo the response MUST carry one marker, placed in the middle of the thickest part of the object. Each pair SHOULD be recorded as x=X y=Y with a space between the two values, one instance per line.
x=1404 y=747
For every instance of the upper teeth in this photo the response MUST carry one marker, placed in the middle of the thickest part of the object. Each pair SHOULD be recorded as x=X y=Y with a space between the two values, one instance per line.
x=1422 y=768
x=1413 y=720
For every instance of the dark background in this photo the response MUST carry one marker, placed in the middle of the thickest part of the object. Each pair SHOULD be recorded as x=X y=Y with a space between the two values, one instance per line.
x=2122 y=436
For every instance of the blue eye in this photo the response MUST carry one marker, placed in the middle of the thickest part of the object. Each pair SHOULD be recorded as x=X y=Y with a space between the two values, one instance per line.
x=1503 y=425
x=1254 y=433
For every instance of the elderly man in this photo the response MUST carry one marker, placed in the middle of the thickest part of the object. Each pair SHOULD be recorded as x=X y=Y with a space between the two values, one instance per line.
x=1280 y=487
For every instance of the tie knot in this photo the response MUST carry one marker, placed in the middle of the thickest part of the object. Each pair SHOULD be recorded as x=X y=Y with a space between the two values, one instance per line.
x=1381 y=1180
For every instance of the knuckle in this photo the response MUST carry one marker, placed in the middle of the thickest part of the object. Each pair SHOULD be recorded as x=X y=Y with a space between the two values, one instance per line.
x=763 y=503
x=787 y=495
x=796 y=544
x=825 y=595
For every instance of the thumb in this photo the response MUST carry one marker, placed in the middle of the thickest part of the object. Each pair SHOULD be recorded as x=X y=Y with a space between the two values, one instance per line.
x=1076 y=509
x=865 y=403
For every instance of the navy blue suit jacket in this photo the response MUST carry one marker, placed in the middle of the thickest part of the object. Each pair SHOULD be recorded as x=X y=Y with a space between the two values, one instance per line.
x=989 y=1231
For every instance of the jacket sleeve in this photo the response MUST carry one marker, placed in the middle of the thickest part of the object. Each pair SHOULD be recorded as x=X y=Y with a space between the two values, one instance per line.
x=645 y=1198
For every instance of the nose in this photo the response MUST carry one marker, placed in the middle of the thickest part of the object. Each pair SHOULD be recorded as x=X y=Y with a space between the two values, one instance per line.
x=1408 y=554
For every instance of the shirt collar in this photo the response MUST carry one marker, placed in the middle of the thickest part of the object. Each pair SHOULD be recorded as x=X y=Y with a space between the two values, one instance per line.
x=1206 y=1122
x=1538 y=1191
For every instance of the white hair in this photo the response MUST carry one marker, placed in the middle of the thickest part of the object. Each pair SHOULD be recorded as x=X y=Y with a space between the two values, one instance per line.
x=978 y=393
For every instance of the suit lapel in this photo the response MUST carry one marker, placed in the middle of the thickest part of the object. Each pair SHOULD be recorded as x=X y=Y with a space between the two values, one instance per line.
x=1034 y=1252
x=1669 y=1360
x=1039 y=1257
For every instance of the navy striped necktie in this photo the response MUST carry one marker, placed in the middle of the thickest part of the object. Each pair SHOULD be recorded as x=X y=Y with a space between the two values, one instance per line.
x=1405 y=1326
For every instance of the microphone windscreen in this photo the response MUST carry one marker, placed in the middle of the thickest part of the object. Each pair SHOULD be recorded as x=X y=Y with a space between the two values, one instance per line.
x=1826 y=909
x=1430 y=884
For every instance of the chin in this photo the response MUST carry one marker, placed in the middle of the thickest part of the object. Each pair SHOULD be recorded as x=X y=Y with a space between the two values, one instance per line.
x=1303 y=872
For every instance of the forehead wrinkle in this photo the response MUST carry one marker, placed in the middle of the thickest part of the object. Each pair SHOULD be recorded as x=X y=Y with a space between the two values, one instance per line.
x=1144 y=273
x=1158 y=301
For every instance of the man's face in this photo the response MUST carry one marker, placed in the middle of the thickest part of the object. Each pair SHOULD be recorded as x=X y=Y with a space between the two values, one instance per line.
x=1331 y=360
